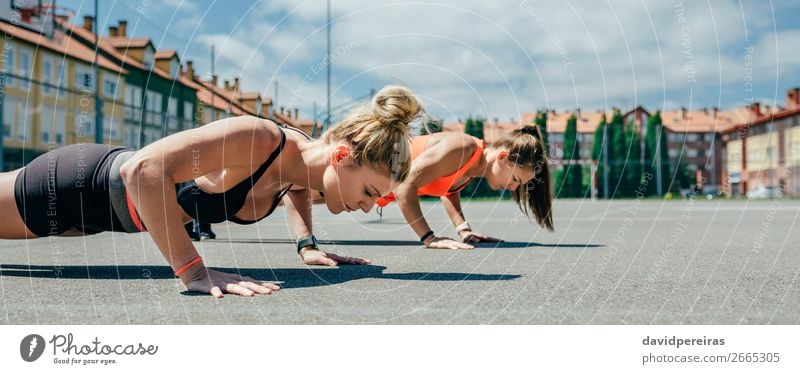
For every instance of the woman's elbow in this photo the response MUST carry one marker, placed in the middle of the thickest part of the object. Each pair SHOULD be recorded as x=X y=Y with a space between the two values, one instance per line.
x=141 y=169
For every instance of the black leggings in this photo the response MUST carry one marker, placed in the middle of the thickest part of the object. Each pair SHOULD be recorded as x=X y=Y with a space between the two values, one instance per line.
x=68 y=188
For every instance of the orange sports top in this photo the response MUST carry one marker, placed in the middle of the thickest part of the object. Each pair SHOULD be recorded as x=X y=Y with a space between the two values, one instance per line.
x=444 y=185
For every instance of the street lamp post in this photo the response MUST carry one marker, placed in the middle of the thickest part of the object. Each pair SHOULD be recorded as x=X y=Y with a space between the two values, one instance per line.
x=98 y=102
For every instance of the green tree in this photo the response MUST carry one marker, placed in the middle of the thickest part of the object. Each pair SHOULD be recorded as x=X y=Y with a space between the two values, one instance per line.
x=541 y=122
x=597 y=152
x=683 y=177
x=617 y=153
x=570 y=177
x=597 y=145
x=655 y=136
x=433 y=125
x=474 y=127
x=632 y=175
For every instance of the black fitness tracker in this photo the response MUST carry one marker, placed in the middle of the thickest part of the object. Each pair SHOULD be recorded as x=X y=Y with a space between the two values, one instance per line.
x=307 y=241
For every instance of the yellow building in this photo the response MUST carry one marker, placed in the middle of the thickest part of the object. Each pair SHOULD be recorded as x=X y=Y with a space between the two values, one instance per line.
x=48 y=93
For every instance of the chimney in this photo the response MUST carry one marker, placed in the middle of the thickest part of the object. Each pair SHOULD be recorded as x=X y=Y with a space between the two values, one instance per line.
x=214 y=80
x=227 y=85
x=88 y=23
x=281 y=110
x=189 y=70
x=705 y=110
x=578 y=113
x=296 y=113
x=716 y=112
x=755 y=109
x=793 y=98
x=112 y=31
x=236 y=84
x=123 y=28
x=289 y=114
x=683 y=113
x=496 y=121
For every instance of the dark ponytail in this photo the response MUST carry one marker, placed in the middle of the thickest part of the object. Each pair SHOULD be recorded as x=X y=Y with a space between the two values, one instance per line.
x=527 y=149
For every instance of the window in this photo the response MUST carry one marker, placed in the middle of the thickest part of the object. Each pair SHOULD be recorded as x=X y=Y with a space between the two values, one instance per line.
x=673 y=153
x=691 y=152
x=9 y=64
x=61 y=82
x=47 y=76
x=188 y=115
x=153 y=106
x=110 y=128
x=132 y=136
x=172 y=110
x=23 y=129
x=47 y=124
x=9 y=108
x=84 y=125
x=209 y=115
x=133 y=102
x=60 y=125
x=692 y=137
x=84 y=79
x=110 y=86
x=25 y=69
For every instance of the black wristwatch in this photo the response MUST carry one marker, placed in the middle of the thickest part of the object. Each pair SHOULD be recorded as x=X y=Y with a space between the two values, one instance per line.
x=307 y=241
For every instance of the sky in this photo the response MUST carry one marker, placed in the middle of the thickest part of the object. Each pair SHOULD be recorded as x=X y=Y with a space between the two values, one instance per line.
x=492 y=59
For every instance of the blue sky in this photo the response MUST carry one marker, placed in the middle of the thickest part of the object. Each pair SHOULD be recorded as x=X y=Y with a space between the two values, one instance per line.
x=492 y=59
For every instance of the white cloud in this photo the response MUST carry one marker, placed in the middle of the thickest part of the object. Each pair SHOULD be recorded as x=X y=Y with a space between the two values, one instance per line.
x=504 y=57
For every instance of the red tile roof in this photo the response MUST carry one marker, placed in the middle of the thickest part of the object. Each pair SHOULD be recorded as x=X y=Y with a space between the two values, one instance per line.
x=166 y=54
x=125 y=42
x=107 y=46
x=62 y=44
x=703 y=121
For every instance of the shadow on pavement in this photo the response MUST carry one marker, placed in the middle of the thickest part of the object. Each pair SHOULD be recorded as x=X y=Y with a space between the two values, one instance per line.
x=531 y=245
x=325 y=242
x=288 y=278
x=406 y=243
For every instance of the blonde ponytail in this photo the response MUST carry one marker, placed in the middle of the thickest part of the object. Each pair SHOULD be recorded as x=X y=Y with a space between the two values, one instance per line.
x=379 y=133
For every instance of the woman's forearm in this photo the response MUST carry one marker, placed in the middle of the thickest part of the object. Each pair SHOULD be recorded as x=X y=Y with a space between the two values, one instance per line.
x=412 y=211
x=153 y=194
x=298 y=208
x=452 y=204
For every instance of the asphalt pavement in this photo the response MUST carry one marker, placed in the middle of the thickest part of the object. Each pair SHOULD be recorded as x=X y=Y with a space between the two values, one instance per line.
x=620 y=262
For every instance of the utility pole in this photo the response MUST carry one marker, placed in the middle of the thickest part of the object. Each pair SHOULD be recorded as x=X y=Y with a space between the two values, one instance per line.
x=659 y=167
x=314 y=130
x=275 y=100
x=606 y=144
x=2 y=103
x=328 y=98
x=213 y=89
x=98 y=103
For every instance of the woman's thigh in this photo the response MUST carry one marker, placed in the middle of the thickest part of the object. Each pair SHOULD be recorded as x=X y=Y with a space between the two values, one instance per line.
x=13 y=226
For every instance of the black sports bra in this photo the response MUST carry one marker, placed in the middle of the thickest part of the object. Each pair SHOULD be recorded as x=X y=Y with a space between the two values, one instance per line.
x=219 y=207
